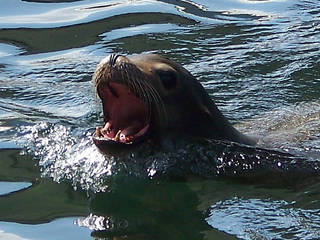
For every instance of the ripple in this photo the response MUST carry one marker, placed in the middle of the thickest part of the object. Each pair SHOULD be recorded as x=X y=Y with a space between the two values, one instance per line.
x=264 y=219
x=9 y=50
x=35 y=15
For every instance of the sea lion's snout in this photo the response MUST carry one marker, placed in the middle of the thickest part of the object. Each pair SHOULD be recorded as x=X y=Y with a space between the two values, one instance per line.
x=126 y=105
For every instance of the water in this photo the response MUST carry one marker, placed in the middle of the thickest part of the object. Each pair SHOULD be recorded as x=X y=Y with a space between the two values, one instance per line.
x=259 y=60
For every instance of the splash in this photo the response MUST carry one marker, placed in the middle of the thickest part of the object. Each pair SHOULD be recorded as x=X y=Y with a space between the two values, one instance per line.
x=97 y=223
x=63 y=156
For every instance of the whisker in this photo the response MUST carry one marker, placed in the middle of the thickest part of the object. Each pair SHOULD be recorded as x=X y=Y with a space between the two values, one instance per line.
x=157 y=100
x=142 y=93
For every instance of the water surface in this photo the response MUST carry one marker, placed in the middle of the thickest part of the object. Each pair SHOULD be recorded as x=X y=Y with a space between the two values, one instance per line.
x=259 y=60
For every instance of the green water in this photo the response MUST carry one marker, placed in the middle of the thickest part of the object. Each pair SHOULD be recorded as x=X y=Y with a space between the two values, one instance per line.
x=259 y=60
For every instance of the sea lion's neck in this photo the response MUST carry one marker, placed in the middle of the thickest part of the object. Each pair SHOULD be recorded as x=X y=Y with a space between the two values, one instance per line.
x=221 y=128
x=211 y=122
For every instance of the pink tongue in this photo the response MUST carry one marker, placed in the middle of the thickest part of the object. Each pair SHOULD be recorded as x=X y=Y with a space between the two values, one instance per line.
x=126 y=112
x=131 y=130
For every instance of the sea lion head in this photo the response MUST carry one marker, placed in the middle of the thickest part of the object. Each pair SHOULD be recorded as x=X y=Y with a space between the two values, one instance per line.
x=150 y=95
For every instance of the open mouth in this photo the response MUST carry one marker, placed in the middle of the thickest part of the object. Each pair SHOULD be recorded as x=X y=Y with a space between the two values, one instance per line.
x=126 y=117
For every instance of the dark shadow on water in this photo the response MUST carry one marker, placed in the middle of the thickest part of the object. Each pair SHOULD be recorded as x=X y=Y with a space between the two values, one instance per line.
x=41 y=202
x=139 y=209
x=81 y=35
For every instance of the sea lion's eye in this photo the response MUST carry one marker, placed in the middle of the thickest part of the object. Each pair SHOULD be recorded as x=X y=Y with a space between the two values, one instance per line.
x=168 y=78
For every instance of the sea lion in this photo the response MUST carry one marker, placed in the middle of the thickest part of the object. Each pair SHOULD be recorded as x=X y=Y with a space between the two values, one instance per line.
x=147 y=96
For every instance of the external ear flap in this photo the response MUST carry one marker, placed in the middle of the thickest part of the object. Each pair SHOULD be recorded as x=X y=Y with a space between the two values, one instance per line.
x=205 y=111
